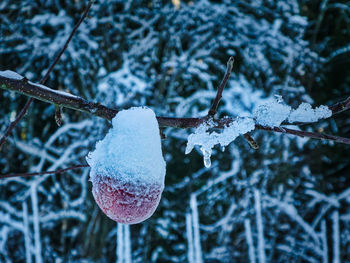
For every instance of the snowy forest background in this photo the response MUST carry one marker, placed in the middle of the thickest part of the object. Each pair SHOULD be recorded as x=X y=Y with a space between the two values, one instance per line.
x=286 y=202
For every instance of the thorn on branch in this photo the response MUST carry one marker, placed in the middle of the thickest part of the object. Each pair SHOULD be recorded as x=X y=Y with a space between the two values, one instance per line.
x=162 y=135
x=58 y=115
x=221 y=87
x=251 y=141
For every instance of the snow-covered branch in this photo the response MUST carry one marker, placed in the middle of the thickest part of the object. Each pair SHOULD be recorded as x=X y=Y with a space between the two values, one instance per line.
x=14 y=82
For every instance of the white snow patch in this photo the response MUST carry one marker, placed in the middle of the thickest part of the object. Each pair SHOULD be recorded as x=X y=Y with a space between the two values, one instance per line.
x=207 y=140
x=131 y=149
x=300 y=20
x=305 y=113
x=272 y=114
x=11 y=75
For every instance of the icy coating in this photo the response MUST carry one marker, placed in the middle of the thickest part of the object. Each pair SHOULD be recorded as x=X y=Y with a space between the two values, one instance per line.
x=272 y=114
x=269 y=114
x=127 y=167
x=305 y=113
x=207 y=140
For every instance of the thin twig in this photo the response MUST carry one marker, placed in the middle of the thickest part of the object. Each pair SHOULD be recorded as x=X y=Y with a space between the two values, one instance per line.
x=322 y=11
x=214 y=108
x=221 y=87
x=340 y=106
x=15 y=122
x=313 y=135
x=43 y=80
x=3 y=176
x=86 y=11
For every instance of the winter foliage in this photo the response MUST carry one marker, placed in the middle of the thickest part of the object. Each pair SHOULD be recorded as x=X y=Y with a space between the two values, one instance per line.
x=287 y=202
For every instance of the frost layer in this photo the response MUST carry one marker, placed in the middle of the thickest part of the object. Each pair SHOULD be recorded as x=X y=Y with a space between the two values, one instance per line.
x=127 y=167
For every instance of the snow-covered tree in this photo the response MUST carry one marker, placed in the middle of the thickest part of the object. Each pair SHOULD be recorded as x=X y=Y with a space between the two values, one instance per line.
x=287 y=201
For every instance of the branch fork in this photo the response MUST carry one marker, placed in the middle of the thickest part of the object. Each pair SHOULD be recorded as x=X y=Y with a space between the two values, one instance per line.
x=44 y=79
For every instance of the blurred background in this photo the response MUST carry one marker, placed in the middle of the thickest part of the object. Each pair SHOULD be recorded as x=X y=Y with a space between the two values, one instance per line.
x=286 y=202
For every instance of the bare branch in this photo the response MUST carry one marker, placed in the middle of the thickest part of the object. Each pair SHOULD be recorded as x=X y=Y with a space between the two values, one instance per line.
x=214 y=107
x=67 y=100
x=3 y=176
x=313 y=135
x=43 y=80
x=221 y=87
x=59 y=98
x=340 y=106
